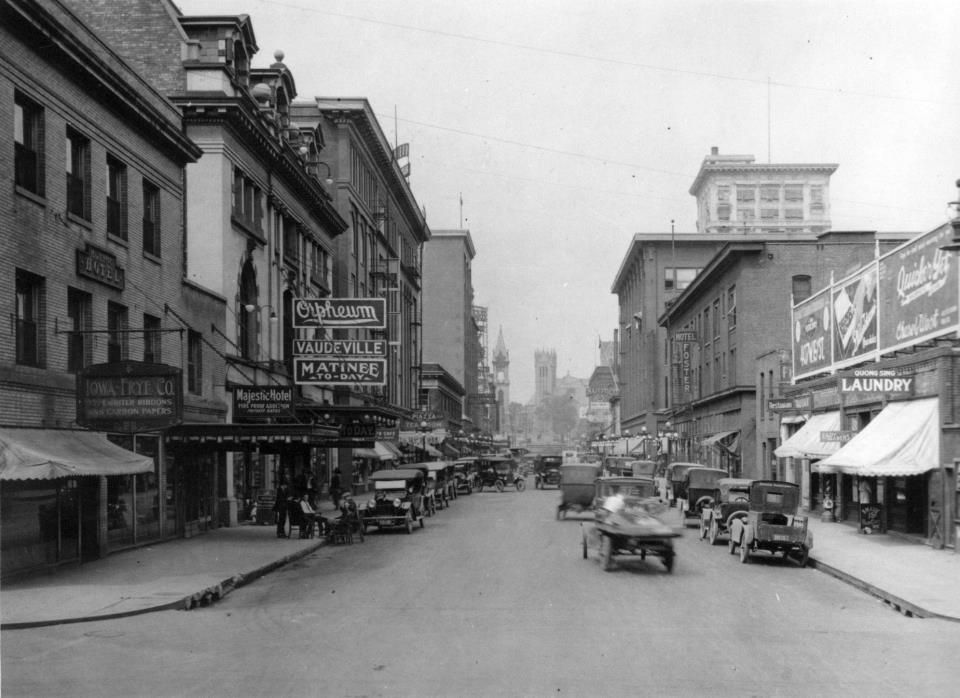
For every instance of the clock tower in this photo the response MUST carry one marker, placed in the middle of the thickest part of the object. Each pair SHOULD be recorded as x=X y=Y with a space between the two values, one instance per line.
x=501 y=380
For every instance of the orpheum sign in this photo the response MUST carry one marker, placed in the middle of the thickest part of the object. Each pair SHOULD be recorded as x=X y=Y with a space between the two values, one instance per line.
x=350 y=313
x=129 y=397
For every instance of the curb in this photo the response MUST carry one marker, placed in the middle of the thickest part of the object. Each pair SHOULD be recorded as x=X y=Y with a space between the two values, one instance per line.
x=902 y=606
x=202 y=598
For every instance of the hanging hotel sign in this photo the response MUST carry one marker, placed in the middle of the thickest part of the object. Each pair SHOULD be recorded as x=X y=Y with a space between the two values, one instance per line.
x=837 y=436
x=340 y=347
x=874 y=380
x=129 y=397
x=262 y=401
x=101 y=266
x=349 y=313
x=332 y=370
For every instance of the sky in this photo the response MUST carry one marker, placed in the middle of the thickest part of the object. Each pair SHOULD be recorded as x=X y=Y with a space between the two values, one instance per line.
x=567 y=126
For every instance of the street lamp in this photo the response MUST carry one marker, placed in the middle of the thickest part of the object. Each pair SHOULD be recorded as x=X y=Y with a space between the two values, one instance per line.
x=251 y=307
x=423 y=429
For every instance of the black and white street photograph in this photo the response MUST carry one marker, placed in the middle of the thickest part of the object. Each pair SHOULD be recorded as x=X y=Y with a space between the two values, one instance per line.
x=480 y=348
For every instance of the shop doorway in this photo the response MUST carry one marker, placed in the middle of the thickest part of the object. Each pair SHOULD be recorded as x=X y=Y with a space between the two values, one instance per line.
x=907 y=504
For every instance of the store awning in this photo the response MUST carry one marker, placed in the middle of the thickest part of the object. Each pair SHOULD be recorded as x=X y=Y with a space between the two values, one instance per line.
x=48 y=454
x=366 y=453
x=793 y=419
x=806 y=442
x=384 y=452
x=715 y=439
x=433 y=452
x=904 y=439
x=239 y=437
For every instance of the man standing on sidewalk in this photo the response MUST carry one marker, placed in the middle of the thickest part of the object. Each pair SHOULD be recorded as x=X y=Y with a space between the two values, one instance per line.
x=280 y=506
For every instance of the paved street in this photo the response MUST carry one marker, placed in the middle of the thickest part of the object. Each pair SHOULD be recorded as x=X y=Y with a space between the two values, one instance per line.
x=493 y=598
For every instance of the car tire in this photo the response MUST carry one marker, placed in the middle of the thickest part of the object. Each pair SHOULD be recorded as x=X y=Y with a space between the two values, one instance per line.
x=521 y=485
x=668 y=561
x=584 y=537
x=744 y=553
x=409 y=526
x=499 y=485
x=803 y=556
x=606 y=553
x=713 y=532
x=732 y=546
x=703 y=529
x=422 y=523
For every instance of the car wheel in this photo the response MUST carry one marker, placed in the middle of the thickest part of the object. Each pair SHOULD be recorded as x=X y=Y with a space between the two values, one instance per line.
x=584 y=537
x=744 y=553
x=409 y=526
x=521 y=485
x=499 y=485
x=731 y=546
x=703 y=530
x=422 y=524
x=606 y=553
x=713 y=533
x=802 y=556
x=668 y=561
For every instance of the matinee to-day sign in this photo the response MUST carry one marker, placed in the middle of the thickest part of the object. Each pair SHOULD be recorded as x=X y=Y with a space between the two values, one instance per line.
x=129 y=396
x=350 y=313
x=330 y=370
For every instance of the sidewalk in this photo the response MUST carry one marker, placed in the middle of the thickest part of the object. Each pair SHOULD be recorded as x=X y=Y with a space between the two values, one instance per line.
x=914 y=579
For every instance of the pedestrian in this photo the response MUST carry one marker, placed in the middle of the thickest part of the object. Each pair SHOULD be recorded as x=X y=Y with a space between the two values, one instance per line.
x=280 y=509
x=309 y=517
x=336 y=488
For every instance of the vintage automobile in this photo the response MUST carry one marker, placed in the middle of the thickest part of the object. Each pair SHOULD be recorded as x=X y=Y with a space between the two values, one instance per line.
x=430 y=499
x=700 y=486
x=547 y=471
x=618 y=465
x=465 y=474
x=627 y=525
x=498 y=472
x=676 y=480
x=441 y=476
x=731 y=501
x=397 y=500
x=577 y=487
x=643 y=468
x=772 y=524
x=608 y=486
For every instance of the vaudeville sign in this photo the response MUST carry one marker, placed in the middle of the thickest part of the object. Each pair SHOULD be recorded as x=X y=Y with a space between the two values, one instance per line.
x=350 y=313
x=129 y=396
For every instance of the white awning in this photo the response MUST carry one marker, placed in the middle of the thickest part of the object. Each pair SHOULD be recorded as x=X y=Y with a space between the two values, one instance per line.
x=715 y=439
x=806 y=442
x=904 y=439
x=793 y=419
x=48 y=454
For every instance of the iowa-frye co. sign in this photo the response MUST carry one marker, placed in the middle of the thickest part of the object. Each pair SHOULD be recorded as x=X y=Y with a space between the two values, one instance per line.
x=129 y=397
x=351 y=313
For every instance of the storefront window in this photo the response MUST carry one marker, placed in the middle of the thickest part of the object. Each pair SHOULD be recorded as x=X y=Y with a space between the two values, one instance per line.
x=120 y=510
x=148 y=492
x=25 y=508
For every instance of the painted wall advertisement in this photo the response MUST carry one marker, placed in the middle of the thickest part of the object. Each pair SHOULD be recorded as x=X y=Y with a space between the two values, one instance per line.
x=907 y=296
x=811 y=335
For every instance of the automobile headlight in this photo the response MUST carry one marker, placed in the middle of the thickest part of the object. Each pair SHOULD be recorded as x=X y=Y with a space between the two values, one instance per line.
x=371 y=504
x=396 y=503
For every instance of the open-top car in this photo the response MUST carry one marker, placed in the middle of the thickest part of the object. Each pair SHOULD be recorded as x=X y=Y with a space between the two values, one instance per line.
x=628 y=525
x=497 y=472
x=547 y=471
x=397 y=500
x=772 y=524
x=700 y=486
x=577 y=487
x=465 y=474
x=731 y=501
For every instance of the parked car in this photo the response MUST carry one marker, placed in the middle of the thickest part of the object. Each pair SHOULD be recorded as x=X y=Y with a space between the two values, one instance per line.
x=397 y=499
x=618 y=465
x=547 y=471
x=497 y=472
x=627 y=525
x=465 y=474
x=676 y=480
x=441 y=478
x=577 y=487
x=643 y=468
x=700 y=487
x=731 y=501
x=772 y=524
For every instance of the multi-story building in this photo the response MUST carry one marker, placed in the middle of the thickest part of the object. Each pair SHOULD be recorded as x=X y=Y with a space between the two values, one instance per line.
x=92 y=261
x=501 y=379
x=450 y=337
x=736 y=194
x=379 y=257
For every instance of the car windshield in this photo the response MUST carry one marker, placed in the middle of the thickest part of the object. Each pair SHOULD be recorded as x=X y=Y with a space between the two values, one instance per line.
x=390 y=485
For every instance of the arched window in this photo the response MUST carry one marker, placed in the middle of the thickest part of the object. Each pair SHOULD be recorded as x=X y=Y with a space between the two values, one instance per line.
x=247 y=320
x=801 y=287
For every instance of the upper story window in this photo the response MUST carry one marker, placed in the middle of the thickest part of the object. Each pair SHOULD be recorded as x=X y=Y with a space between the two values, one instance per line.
x=28 y=148
x=746 y=195
x=801 y=287
x=29 y=304
x=151 y=219
x=793 y=193
x=678 y=278
x=716 y=319
x=770 y=193
x=247 y=320
x=194 y=362
x=291 y=241
x=116 y=198
x=79 y=342
x=117 y=324
x=731 y=307
x=151 y=339
x=247 y=201
x=78 y=174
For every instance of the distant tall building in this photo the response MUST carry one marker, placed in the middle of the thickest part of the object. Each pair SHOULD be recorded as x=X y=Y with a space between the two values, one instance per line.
x=735 y=194
x=545 y=366
x=501 y=381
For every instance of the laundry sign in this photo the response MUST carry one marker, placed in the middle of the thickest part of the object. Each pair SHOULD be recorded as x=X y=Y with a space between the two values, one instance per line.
x=872 y=380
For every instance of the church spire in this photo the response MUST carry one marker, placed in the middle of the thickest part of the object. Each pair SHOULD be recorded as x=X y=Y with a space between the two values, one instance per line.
x=500 y=350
